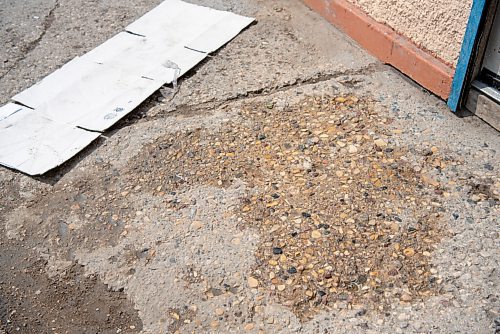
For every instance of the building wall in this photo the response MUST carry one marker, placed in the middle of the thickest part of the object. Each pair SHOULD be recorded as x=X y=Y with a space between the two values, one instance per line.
x=436 y=26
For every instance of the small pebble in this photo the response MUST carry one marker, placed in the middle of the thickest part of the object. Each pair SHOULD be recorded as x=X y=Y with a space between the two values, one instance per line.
x=253 y=282
x=277 y=251
x=316 y=234
x=380 y=143
x=249 y=327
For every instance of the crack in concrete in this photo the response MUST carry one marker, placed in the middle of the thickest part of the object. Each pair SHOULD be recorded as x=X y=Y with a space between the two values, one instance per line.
x=47 y=23
x=210 y=106
x=316 y=78
x=312 y=80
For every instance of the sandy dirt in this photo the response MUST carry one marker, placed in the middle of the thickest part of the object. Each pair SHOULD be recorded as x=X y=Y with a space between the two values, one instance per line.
x=293 y=185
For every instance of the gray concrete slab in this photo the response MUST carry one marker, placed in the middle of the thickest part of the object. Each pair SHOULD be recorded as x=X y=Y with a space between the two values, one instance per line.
x=180 y=262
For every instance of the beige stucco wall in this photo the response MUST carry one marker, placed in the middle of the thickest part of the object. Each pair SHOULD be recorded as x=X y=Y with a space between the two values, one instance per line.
x=435 y=25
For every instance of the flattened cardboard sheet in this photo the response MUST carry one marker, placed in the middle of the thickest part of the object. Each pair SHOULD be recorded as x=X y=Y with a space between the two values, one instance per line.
x=34 y=144
x=94 y=91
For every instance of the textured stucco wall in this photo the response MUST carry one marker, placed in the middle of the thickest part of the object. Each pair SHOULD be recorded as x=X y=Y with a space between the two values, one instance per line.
x=437 y=26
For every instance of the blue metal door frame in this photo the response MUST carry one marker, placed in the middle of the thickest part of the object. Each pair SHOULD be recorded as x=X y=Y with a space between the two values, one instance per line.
x=466 y=59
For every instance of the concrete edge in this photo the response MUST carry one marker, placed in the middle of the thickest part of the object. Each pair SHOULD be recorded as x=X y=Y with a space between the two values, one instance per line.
x=387 y=45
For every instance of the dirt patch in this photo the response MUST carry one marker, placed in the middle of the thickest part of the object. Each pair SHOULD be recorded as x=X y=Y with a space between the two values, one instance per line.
x=345 y=217
x=316 y=205
x=31 y=302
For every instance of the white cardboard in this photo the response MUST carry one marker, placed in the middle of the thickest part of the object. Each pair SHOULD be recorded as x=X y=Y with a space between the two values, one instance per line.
x=51 y=85
x=145 y=55
x=100 y=98
x=34 y=144
x=94 y=91
x=180 y=20
x=219 y=33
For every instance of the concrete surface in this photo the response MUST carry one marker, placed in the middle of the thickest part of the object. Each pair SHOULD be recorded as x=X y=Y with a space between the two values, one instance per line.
x=437 y=26
x=102 y=223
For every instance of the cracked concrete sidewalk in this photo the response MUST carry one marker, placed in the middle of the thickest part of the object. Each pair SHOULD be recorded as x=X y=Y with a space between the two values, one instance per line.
x=69 y=265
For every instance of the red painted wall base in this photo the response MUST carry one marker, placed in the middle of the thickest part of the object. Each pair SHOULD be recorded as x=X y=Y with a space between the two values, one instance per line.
x=387 y=45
